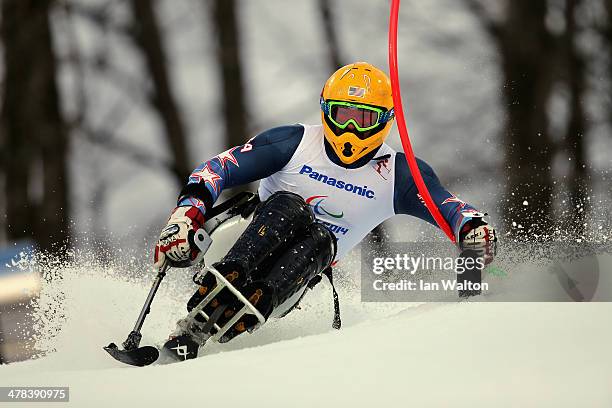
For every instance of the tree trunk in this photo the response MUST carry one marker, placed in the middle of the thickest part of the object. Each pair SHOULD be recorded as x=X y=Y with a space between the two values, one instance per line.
x=17 y=152
x=331 y=38
x=527 y=52
x=147 y=35
x=234 y=109
x=3 y=195
x=608 y=40
x=577 y=123
x=33 y=126
x=2 y=336
x=3 y=199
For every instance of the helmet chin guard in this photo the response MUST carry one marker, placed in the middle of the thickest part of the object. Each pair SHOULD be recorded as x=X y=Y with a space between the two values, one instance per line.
x=349 y=148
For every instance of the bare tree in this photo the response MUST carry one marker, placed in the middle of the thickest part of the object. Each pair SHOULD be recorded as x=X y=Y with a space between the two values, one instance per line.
x=147 y=35
x=34 y=130
x=234 y=108
x=334 y=56
x=528 y=53
x=3 y=169
x=576 y=128
x=533 y=60
x=607 y=32
x=2 y=358
x=16 y=151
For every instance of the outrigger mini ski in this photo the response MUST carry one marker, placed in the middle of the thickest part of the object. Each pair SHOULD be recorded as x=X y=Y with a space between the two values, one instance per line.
x=132 y=354
x=193 y=331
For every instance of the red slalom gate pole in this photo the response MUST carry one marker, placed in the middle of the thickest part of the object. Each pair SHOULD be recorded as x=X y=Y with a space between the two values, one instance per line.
x=403 y=130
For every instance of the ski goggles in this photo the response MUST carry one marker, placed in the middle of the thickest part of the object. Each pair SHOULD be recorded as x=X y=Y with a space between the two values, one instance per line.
x=362 y=117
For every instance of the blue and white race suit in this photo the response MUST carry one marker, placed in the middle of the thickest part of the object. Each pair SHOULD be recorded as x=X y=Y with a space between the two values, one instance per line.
x=350 y=200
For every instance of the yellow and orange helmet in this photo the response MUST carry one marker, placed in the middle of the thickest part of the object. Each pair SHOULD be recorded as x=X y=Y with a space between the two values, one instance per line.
x=356 y=110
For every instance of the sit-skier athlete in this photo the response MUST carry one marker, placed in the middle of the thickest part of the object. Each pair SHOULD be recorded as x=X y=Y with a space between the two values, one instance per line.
x=322 y=188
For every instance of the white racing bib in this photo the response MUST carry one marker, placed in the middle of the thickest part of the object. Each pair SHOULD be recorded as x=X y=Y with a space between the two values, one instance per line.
x=350 y=202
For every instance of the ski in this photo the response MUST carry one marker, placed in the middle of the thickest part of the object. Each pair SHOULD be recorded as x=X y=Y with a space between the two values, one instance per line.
x=139 y=357
x=177 y=348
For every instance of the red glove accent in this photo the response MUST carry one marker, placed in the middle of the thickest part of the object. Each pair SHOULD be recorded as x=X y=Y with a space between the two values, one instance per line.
x=173 y=245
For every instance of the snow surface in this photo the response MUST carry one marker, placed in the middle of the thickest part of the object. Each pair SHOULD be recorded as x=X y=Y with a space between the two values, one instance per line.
x=387 y=354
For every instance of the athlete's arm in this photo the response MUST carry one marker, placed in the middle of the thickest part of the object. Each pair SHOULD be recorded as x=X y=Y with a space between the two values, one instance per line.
x=407 y=201
x=471 y=231
x=262 y=156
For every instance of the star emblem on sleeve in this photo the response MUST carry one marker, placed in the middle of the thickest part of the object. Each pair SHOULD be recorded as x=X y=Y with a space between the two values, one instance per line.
x=206 y=175
x=196 y=202
x=454 y=199
x=227 y=156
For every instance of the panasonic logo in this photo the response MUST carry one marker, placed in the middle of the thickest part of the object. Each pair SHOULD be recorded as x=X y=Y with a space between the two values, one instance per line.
x=342 y=185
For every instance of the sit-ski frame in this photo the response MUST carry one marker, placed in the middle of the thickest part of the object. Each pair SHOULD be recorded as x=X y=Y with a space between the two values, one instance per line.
x=187 y=323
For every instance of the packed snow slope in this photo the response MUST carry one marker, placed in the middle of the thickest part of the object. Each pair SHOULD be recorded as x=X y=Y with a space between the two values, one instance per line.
x=400 y=354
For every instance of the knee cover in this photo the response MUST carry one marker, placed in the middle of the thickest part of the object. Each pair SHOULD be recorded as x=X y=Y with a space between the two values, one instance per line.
x=276 y=222
x=297 y=265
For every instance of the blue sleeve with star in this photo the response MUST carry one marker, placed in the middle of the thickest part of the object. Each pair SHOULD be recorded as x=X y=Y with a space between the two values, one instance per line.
x=260 y=157
x=406 y=199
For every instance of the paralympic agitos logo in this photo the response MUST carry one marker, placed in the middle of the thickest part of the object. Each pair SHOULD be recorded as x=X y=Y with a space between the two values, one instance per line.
x=317 y=205
x=362 y=191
